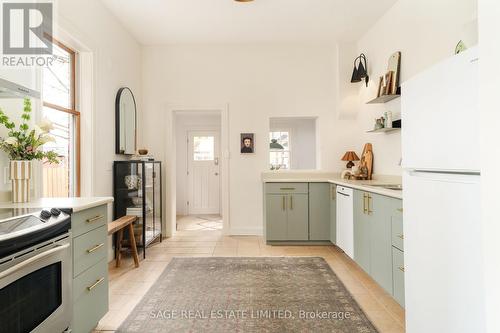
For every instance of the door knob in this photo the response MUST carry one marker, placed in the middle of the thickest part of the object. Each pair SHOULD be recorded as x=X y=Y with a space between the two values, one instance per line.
x=216 y=173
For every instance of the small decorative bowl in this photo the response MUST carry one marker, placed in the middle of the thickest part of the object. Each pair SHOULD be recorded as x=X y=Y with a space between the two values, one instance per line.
x=143 y=151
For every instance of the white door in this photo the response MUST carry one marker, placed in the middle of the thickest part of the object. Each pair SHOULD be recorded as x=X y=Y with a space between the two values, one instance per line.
x=203 y=172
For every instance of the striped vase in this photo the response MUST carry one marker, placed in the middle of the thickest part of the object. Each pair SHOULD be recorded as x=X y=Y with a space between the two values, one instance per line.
x=20 y=175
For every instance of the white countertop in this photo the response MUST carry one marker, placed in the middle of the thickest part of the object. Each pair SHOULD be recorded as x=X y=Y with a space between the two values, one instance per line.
x=334 y=178
x=77 y=204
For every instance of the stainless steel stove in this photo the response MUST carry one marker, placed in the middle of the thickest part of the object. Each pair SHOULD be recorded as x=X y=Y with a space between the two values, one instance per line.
x=35 y=270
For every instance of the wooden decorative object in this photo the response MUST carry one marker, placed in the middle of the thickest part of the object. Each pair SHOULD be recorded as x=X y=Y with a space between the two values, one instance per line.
x=394 y=65
x=366 y=164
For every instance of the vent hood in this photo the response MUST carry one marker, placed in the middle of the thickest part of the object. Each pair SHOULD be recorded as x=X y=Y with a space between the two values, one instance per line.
x=10 y=89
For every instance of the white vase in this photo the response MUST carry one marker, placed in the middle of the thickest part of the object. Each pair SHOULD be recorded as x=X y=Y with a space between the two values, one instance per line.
x=20 y=176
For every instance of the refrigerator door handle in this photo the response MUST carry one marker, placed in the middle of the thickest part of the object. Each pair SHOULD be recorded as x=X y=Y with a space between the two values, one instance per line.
x=442 y=176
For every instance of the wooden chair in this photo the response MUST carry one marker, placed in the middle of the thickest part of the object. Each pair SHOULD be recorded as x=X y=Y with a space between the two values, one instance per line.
x=119 y=226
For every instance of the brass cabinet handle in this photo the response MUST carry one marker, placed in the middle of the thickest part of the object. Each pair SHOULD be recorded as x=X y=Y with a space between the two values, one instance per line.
x=93 y=219
x=401 y=236
x=400 y=210
x=287 y=188
x=401 y=268
x=89 y=288
x=334 y=190
x=95 y=248
x=284 y=203
x=291 y=202
x=365 y=210
x=368 y=209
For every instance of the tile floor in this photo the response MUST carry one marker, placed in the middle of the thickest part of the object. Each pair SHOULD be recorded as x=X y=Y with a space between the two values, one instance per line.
x=128 y=285
x=199 y=222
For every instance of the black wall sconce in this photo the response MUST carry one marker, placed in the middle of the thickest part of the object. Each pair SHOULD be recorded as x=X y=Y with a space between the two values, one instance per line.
x=360 y=70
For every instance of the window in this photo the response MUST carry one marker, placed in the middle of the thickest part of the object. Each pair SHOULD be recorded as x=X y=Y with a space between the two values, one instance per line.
x=279 y=155
x=203 y=148
x=59 y=106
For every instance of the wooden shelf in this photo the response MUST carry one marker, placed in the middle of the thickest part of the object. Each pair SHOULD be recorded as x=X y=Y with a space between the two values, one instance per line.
x=384 y=130
x=383 y=99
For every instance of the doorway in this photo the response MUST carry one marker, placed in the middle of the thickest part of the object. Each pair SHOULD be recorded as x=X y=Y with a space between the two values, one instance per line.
x=198 y=156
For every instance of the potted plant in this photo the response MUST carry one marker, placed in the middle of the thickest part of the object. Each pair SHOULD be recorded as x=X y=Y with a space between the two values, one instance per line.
x=23 y=145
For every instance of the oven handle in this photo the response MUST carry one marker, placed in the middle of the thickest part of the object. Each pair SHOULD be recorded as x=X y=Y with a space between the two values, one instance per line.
x=33 y=259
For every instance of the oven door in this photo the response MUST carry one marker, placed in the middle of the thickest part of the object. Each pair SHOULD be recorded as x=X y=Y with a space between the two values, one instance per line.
x=35 y=290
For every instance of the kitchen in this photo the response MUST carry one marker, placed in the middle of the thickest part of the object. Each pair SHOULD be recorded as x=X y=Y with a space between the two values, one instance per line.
x=406 y=229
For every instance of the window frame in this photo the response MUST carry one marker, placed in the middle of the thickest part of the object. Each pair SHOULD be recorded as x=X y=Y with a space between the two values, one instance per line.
x=73 y=111
x=289 y=150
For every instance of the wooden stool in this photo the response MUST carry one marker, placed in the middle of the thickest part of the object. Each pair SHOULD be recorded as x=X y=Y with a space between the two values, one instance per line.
x=118 y=226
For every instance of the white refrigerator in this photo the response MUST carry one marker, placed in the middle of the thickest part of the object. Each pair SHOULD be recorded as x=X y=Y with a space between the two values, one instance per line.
x=441 y=198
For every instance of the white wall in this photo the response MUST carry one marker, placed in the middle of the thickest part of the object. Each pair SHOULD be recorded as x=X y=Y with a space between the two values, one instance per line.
x=258 y=81
x=489 y=88
x=302 y=133
x=425 y=31
x=92 y=30
x=185 y=122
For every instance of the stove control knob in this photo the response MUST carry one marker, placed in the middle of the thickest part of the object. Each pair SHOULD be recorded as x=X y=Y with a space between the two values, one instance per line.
x=45 y=214
x=55 y=211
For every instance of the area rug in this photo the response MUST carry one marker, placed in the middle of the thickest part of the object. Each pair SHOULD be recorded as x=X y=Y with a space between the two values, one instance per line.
x=278 y=294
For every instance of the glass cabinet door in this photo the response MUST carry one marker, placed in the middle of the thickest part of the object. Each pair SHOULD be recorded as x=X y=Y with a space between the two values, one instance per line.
x=157 y=199
x=137 y=190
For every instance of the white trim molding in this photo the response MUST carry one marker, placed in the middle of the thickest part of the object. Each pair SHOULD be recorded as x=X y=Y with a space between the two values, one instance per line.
x=170 y=182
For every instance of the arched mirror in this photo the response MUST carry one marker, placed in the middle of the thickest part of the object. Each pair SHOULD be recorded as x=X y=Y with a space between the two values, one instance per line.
x=126 y=122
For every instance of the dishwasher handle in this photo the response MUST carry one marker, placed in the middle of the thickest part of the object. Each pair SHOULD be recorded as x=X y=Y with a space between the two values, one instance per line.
x=345 y=195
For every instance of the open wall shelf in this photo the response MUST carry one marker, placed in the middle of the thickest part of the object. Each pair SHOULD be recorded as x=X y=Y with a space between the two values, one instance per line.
x=384 y=130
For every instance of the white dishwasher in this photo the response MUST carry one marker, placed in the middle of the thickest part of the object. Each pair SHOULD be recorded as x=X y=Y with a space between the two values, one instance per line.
x=345 y=220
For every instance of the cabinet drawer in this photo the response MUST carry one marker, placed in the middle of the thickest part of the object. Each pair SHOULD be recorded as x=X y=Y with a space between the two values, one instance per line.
x=89 y=306
x=398 y=276
x=89 y=249
x=397 y=232
x=88 y=219
x=278 y=188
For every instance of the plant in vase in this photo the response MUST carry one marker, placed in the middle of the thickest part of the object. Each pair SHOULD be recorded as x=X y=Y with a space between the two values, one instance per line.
x=23 y=145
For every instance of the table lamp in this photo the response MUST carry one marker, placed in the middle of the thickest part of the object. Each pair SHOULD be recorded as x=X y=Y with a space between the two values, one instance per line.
x=350 y=156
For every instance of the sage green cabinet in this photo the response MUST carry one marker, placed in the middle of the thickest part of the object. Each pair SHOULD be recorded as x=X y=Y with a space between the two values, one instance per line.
x=398 y=272
x=379 y=216
x=319 y=211
x=297 y=208
x=372 y=236
x=276 y=217
x=90 y=268
x=287 y=217
x=361 y=229
x=378 y=240
x=333 y=213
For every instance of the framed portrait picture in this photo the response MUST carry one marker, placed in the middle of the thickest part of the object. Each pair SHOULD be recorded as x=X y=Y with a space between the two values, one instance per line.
x=247 y=143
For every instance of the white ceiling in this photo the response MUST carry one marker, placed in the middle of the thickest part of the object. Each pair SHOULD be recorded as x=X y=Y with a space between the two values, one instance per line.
x=155 y=22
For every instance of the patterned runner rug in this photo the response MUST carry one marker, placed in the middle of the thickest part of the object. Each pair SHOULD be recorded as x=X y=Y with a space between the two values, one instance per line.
x=274 y=294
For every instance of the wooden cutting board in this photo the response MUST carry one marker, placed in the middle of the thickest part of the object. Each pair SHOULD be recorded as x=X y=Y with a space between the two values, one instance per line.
x=367 y=160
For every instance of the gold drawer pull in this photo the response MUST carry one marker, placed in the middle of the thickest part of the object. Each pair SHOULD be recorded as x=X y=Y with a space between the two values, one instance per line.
x=95 y=284
x=287 y=188
x=402 y=269
x=93 y=219
x=400 y=210
x=401 y=236
x=95 y=248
